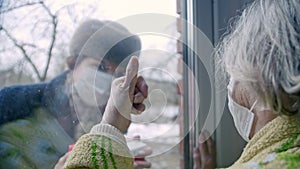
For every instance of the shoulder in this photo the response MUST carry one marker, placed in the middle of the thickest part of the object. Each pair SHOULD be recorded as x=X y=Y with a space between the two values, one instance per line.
x=287 y=156
x=284 y=160
x=21 y=89
x=17 y=101
x=20 y=93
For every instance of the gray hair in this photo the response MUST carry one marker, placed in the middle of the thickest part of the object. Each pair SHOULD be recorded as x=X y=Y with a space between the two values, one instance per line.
x=263 y=50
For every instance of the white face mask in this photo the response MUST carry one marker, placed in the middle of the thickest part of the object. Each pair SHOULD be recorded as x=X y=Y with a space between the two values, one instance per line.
x=92 y=83
x=242 y=116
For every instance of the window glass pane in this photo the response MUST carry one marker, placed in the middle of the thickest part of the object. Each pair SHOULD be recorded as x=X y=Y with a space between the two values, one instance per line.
x=54 y=86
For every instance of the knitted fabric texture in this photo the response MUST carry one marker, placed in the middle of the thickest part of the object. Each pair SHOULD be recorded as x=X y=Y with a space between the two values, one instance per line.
x=98 y=150
x=277 y=145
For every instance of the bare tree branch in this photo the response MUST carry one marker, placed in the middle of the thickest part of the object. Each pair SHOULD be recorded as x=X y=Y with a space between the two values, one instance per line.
x=52 y=42
x=9 y=69
x=22 y=49
x=70 y=12
x=12 y=67
x=48 y=10
x=30 y=45
x=44 y=25
x=14 y=72
x=20 y=6
x=49 y=51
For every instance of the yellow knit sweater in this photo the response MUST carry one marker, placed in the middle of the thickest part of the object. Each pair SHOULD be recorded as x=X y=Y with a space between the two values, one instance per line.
x=275 y=146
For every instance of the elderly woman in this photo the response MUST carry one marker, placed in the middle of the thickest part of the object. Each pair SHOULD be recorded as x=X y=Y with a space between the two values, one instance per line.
x=262 y=57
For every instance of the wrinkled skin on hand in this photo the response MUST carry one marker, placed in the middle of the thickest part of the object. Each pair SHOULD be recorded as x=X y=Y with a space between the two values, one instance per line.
x=205 y=154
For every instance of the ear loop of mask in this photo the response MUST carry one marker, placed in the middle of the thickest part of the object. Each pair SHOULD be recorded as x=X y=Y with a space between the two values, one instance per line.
x=244 y=112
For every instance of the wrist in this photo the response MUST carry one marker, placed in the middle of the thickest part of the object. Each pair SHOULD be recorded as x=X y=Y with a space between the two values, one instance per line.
x=120 y=123
x=110 y=132
x=114 y=118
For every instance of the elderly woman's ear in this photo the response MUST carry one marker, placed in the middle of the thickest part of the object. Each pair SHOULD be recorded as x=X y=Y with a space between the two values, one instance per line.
x=290 y=103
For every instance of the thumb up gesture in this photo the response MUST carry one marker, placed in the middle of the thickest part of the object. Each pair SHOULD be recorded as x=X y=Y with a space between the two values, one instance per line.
x=127 y=96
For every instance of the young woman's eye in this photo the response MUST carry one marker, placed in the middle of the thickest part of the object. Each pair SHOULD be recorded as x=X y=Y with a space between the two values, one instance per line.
x=102 y=68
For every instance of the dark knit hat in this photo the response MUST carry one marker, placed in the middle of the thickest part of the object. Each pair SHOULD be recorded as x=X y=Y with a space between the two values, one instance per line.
x=104 y=40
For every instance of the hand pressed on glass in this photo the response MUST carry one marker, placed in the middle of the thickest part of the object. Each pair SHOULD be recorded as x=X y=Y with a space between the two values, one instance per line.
x=205 y=154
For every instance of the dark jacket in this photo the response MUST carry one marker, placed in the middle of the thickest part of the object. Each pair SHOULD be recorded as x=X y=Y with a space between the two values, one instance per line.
x=18 y=102
x=30 y=135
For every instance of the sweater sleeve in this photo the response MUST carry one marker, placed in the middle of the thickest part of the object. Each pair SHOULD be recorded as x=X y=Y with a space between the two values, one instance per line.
x=103 y=148
x=18 y=102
